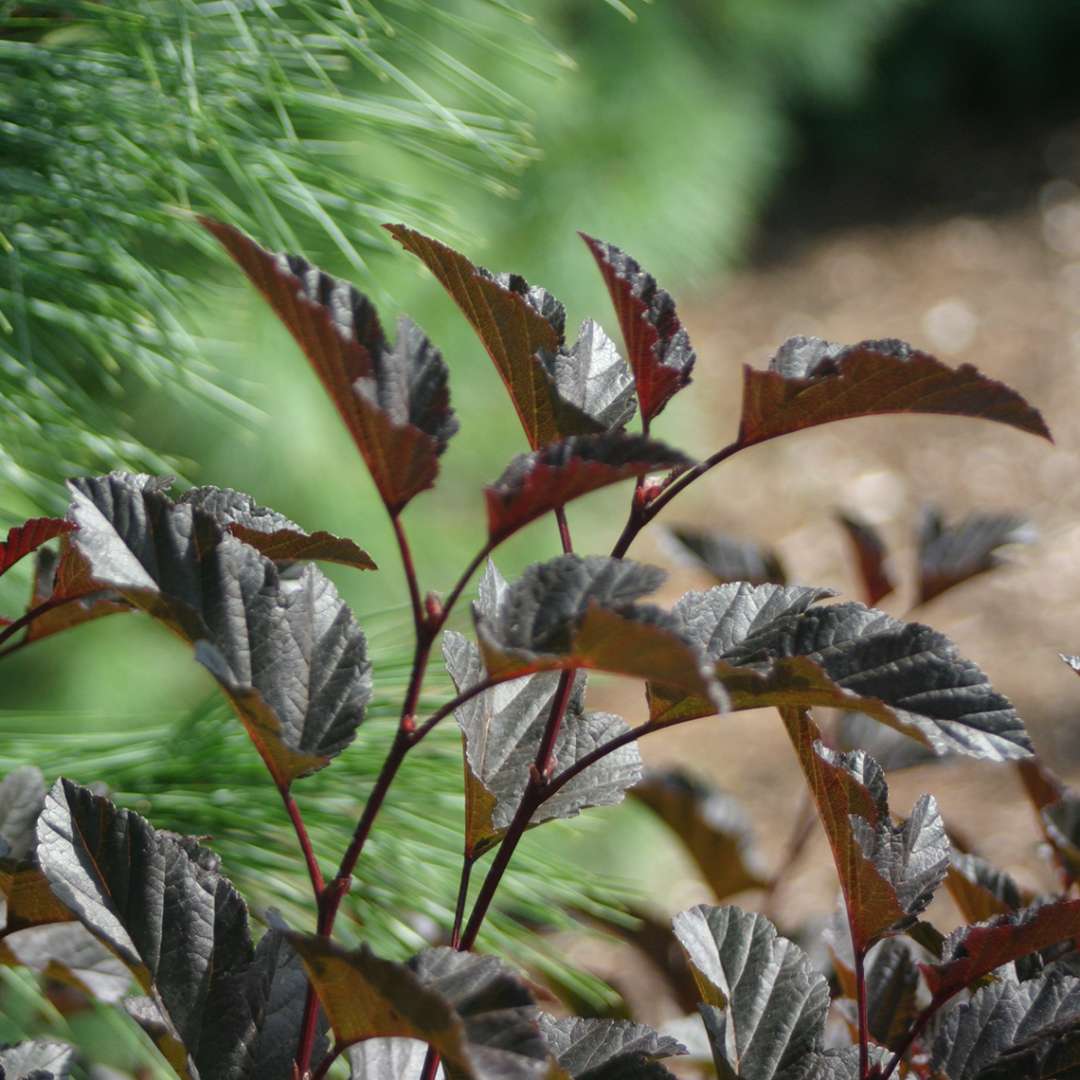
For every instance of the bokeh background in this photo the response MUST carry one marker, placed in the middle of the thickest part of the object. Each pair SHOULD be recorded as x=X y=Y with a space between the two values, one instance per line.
x=847 y=168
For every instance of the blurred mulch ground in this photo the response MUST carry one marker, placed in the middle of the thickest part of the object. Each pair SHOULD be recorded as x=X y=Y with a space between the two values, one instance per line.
x=1001 y=292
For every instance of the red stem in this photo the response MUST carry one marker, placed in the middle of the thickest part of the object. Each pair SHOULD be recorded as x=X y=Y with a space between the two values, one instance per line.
x=305 y=843
x=28 y=617
x=641 y=515
x=913 y=1033
x=431 y=1064
x=467 y=863
x=864 y=1021
x=535 y=792
x=409 y=566
x=324 y=1065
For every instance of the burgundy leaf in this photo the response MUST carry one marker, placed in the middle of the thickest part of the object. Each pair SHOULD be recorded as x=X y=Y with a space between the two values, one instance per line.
x=657 y=346
x=872 y=557
x=981 y=891
x=536 y=483
x=728 y=558
x=64 y=577
x=810 y=381
x=518 y=325
x=951 y=554
x=974 y=951
x=22 y=539
x=393 y=399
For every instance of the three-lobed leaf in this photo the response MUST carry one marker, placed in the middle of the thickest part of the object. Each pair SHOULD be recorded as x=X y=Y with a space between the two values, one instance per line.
x=287 y=652
x=771 y=647
x=582 y=612
x=393 y=400
x=810 y=381
x=518 y=326
x=888 y=873
x=534 y=484
x=657 y=345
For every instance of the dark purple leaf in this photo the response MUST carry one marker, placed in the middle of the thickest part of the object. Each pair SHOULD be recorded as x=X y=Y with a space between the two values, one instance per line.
x=727 y=558
x=22 y=539
x=981 y=891
x=974 y=951
x=657 y=346
x=711 y=825
x=159 y=902
x=951 y=554
x=763 y=1003
x=1061 y=826
x=892 y=990
x=59 y=577
x=608 y=1049
x=287 y=652
x=871 y=556
x=1012 y=1031
x=271 y=533
x=810 y=382
x=771 y=647
x=534 y=484
x=477 y=1015
x=888 y=873
x=393 y=399
x=518 y=326
x=574 y=612
x=887 y=746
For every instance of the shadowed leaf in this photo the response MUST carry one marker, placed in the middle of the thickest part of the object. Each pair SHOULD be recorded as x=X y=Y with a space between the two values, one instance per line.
x=974 y=951
x=951 y=554
x=1010 y=1030
x=393 y=399
x=271 y=533
x=536 y=483
x=1061 y=826
x=871 y=557
x=581 y=612
x=888 y=873
x=472 y=1010
x=810 y=381
x=608 y=1049
x=657 y=346
x=25 y=538
x=763 y=1004
x=288 y=653
x=518 y=325
x=981 y=891
x=38 y=1060
x=22 y=795
x=160 y=904
x=58 y=577
x=711 y=825
x=727 y=558
x=770 y=647
x=892 y=984
x=887 y=746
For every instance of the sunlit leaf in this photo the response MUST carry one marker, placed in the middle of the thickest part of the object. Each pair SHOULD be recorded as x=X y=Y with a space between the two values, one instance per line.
x=518 y=325
x=608 y=1049
x=711 y=825
x=951 y=554
x=728 y=558
x=379 y=1059
x=68 y=953
x=871 y=557
x=771 y=647
x=594 y=377
x=288 y=653
x=472 y=1010
x=657 y=346
x=271 y=533
x=536 y=483
x=1010 y=1030
x=974 y=951
x=28 y=537
x=888 y=873
x=982 y=891
x=40 y=1059
x=582 y=612
x=763 y=1003
x=159 y=902
x=393 y=399
x=810 y=381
